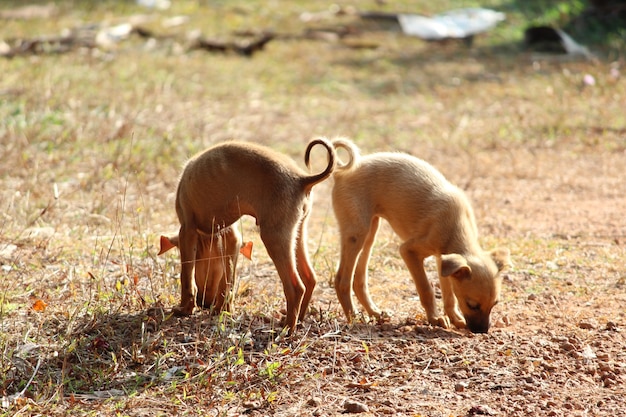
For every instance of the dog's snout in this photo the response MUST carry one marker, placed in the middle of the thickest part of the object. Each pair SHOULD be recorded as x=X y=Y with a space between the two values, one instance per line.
x=482 y=329
x=478 y=325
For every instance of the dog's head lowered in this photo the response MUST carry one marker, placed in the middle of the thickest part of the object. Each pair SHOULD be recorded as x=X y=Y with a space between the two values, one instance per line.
x=476 y=283
x=216 y=258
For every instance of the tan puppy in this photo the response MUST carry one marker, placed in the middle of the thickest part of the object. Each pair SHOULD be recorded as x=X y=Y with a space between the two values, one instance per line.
x=231 y=179
x=216 y=262
x=432 y=217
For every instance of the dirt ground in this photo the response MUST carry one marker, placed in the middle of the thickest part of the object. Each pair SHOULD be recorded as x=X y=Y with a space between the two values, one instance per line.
x=92 y=144
x=557 y=346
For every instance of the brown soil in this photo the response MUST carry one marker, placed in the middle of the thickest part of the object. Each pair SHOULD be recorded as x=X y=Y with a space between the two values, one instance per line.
x=557 y=347
x=92 y=147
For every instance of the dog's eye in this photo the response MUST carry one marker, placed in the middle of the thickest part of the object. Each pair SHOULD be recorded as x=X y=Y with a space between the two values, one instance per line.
x=473 y=305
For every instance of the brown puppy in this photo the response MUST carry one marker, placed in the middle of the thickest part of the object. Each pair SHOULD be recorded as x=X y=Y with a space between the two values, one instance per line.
x=216 y=262
x=231 y=179
x=432 y=217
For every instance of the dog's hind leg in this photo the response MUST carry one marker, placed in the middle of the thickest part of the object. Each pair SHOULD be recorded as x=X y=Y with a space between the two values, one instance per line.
x=415 y=262
x=280 y=248
x=352 y=240
x=360 y=284
x=354 y=221
x=307 y=275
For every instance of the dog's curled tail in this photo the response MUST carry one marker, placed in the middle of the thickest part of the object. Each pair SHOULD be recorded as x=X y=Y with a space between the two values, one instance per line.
x=351 y=149
x=310 y=181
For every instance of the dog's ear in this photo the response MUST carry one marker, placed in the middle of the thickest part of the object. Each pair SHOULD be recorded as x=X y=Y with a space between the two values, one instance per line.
x=246 y=250
x=454 y=265
x=502 y=258
x=168 y=243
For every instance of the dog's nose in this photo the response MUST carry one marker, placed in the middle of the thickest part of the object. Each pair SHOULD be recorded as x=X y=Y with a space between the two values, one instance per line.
x=479 y=329
x=478 y=326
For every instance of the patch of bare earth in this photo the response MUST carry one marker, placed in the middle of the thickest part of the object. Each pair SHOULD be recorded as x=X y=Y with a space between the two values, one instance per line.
x=557 y=346
x=92 y=147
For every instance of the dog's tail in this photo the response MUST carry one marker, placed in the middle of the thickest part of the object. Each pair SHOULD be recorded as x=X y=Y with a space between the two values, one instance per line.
x=351 y=149
x=310 y=181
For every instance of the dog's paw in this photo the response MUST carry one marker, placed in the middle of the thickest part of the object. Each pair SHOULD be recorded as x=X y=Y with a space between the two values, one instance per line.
x=456 y=318
x=459 y=323
x=182 y=311
x=382 y=317
x=441 y=321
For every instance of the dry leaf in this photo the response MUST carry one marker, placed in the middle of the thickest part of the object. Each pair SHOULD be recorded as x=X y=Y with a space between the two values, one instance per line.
x=246 y=250
x=39 y=305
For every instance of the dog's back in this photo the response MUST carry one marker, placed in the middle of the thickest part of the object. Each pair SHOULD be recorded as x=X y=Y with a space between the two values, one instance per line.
x=231 y=179
x=408 y=192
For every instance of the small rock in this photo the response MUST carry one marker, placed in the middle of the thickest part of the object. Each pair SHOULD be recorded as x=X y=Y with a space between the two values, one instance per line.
x=386 y=327
x=502 y=322
x=605 y=367
x=6 y=251
x=588 y=353
x=387 y=410
x=609 y=380
x=314 y=401
x=586 y=324
x=460 y=386
x=611 y=326
x=355 y=407
x=252 y=405
x=481 y=410
x=38 y=233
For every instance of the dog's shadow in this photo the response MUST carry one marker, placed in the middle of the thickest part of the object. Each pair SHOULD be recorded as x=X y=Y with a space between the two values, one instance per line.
x=110 y=354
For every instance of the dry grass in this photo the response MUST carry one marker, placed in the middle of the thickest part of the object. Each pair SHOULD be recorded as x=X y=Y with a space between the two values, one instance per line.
x=92 y=144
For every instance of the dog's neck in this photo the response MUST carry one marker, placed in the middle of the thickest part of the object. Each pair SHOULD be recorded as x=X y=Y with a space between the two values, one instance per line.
x=463 y=238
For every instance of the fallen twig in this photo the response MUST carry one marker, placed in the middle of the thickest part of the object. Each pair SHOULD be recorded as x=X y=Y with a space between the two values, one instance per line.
x=245 y=48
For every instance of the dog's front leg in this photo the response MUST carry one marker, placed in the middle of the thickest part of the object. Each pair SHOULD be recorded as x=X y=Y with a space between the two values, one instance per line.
x=360 y=285
x=415 y=262
x=203 y=273
x=232 y=245
x=450 y=304
x=188 y=242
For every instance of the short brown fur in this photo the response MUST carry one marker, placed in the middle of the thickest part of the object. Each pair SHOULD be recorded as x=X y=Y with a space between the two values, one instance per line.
x=432 y=217
x=216 y=262
x=232 y=179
